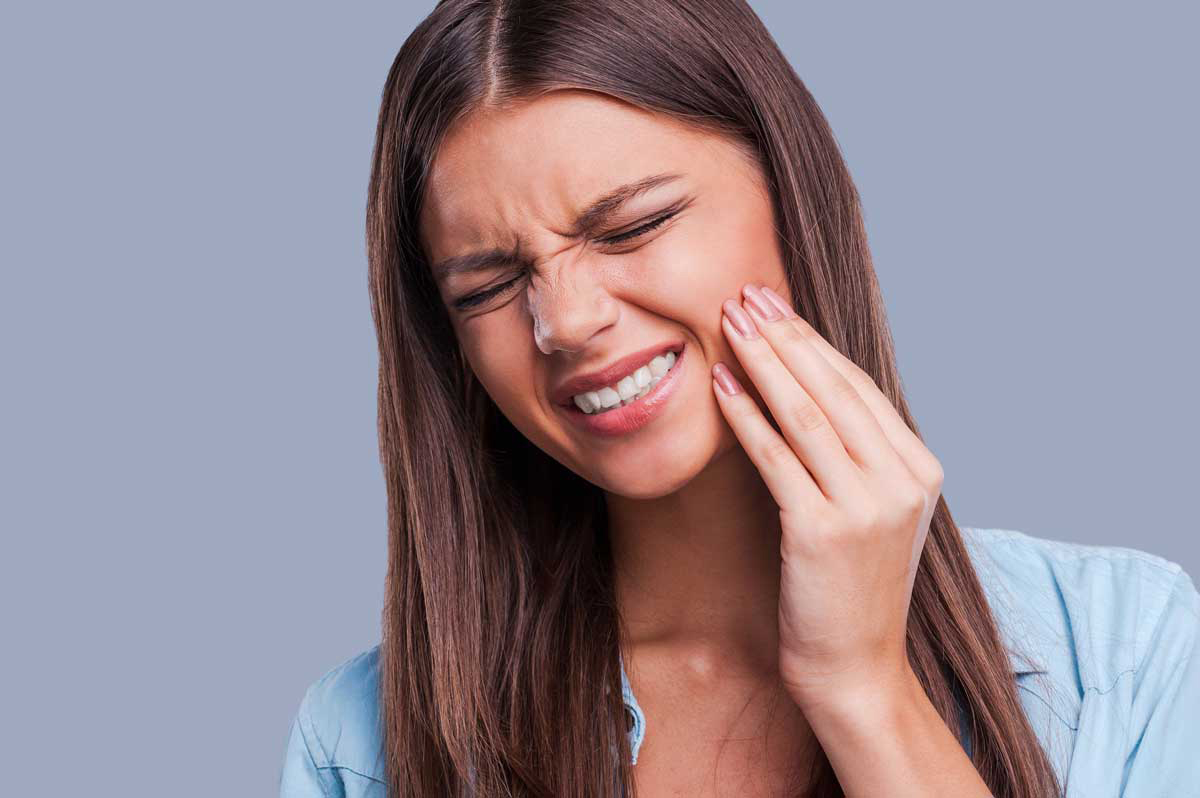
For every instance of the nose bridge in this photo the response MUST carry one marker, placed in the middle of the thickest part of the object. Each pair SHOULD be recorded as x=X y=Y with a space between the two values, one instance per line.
x=568 y=302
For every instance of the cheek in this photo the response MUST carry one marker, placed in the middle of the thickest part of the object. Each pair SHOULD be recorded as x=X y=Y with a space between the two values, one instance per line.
x=681 y=278
x=688 y=277
x=740 y=246
x=507 y=373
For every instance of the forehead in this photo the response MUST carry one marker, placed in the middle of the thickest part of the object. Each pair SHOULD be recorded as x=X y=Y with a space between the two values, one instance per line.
x=503 y=176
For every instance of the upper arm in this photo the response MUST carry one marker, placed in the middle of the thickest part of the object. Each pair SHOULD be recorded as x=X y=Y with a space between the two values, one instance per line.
x=1164 y=730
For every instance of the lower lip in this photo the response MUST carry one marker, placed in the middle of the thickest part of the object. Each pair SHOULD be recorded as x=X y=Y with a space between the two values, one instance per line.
x=635 y=415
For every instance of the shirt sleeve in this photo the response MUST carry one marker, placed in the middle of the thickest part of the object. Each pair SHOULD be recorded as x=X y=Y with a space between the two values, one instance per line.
x=300 y=777
x=1164 y=757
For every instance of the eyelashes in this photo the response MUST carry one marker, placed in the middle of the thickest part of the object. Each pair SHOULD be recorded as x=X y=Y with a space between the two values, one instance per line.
x=480 y=297
x=638 y=231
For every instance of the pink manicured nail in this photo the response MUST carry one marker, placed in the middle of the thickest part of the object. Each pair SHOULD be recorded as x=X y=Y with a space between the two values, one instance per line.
x=780 y=303
x=760 y=304
x=739 y=318
x=729 y=383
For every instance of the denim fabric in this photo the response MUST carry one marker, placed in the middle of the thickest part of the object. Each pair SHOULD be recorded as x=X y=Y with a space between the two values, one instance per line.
x=1102 y=644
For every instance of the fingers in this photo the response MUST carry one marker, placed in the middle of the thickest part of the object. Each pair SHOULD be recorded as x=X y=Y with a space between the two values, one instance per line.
x=904 y=441
x=785 y=476
x=854 y=422
x=804 y=424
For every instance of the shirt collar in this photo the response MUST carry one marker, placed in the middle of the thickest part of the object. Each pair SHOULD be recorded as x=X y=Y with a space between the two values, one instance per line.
x=637 y=719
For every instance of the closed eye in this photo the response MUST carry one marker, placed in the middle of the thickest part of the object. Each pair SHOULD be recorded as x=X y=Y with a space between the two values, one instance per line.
x=479 y=297
x=638 y=231
x=471 y=300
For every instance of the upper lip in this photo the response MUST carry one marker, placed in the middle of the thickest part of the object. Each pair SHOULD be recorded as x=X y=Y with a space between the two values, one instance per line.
x=566 y=390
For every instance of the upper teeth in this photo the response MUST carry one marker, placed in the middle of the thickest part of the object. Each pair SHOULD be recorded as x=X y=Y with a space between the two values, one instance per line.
x=628 y=389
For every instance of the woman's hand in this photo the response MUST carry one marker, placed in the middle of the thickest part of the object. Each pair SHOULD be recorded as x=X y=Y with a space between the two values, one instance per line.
x=856 y=490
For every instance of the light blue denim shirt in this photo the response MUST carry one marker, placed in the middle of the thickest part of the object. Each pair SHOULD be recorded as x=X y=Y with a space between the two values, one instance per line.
x=1102 y=643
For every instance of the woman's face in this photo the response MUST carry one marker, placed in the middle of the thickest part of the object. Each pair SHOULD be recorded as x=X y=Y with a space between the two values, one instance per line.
x=579 y=292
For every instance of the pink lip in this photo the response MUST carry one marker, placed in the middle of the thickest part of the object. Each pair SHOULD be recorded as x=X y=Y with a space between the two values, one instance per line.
x=635 y=415
x=593 y=381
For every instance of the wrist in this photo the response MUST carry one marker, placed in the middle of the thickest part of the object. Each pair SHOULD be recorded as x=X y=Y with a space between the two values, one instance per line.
x=873 y=701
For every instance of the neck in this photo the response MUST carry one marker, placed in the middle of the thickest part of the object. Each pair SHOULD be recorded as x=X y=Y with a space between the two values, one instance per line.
x=697 y=571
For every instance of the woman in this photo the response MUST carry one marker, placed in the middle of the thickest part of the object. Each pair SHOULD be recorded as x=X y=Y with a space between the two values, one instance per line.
x=655 y=496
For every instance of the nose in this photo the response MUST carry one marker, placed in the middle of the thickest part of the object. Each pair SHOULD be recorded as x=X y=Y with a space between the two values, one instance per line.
x=569 y=307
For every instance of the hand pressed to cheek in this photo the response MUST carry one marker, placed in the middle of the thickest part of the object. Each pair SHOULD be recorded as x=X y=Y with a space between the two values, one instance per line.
x=920 y=461
x=843 y=391
x=733 y=315
x=854 y=512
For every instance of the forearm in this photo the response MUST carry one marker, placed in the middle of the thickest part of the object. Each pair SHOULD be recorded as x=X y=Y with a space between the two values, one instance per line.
x=891 y=741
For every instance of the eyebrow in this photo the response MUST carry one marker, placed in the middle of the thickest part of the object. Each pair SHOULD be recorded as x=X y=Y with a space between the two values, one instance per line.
x=591 y=219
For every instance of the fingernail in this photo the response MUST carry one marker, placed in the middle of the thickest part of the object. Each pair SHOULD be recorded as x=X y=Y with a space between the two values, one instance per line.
x=741 y=322
x=780 y=303
x=760 y=304
x=729 y=383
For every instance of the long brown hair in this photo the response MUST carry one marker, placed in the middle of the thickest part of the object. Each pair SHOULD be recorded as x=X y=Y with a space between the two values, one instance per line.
x=499 y=657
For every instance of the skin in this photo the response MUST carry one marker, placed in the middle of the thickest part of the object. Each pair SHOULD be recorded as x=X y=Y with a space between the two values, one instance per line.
x=763 y=569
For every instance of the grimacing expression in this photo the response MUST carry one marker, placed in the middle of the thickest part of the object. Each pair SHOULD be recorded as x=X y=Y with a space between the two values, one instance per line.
x=582 y=293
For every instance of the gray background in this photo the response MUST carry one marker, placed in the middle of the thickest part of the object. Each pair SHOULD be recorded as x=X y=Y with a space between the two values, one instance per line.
x=193 y=511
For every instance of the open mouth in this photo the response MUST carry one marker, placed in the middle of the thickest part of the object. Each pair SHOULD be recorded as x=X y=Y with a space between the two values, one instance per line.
x=630 y=389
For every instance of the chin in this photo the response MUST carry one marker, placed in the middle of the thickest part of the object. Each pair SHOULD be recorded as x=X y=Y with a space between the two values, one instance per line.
x=648 y=467
x=653 y=476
